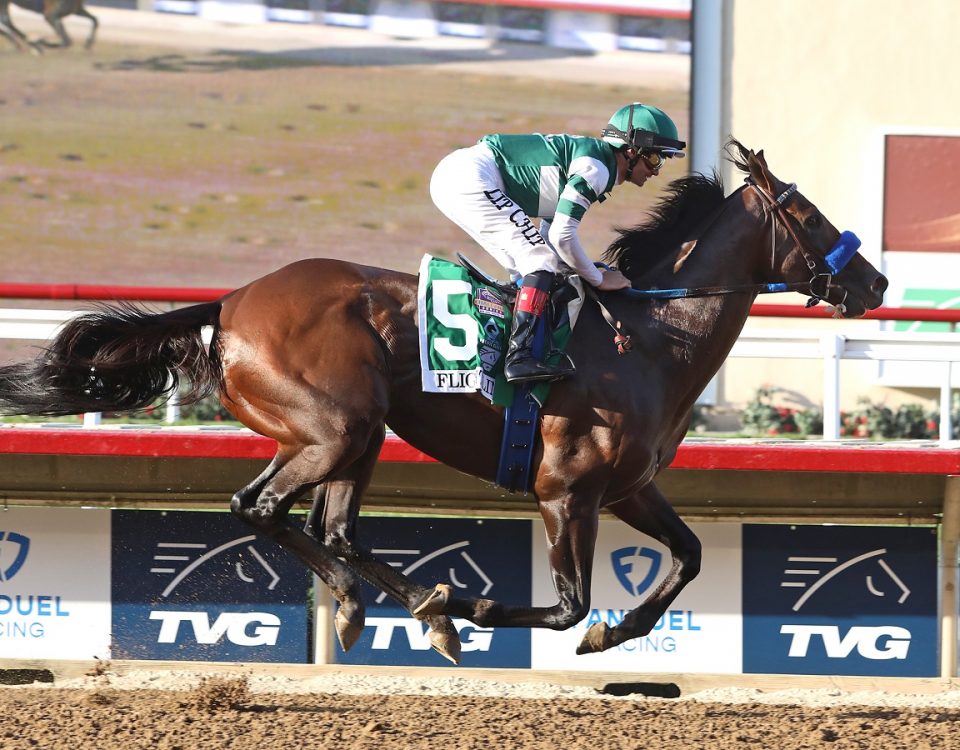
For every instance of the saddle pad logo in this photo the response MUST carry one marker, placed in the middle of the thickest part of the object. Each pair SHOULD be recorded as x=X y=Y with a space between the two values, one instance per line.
x=488 y=304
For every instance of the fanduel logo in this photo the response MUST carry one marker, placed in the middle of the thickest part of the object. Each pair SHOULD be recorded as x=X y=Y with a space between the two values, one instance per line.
x=21 y=546
x=236 y=626
x=622 y=561
x=418 y=639
x=883 y=642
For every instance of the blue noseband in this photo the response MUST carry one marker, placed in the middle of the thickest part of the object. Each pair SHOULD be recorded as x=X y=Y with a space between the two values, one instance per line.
x=841 y=253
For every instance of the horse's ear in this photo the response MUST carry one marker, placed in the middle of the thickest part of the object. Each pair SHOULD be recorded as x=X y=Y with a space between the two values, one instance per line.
x=759 y=171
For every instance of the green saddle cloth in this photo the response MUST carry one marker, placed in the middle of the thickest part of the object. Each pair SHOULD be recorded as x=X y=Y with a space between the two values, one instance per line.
x=464 y=327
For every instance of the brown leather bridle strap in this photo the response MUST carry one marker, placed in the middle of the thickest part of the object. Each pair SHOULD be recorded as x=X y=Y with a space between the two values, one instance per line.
x=775 y=207
x=621 y=338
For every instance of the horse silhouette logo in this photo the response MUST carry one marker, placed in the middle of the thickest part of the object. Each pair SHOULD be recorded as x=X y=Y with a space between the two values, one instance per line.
x=180 y=559
x=624 y=568
x=20 y=546
x=463 y=571
x=812 y=573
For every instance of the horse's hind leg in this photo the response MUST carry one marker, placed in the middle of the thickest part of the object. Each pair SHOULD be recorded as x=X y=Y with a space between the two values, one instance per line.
x=334 y=510
x=648 y=511
x=264 y=504
x=17 y=37
x=333 y=519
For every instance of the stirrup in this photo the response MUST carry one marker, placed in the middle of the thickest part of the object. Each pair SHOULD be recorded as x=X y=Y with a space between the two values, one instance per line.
x=538 y=371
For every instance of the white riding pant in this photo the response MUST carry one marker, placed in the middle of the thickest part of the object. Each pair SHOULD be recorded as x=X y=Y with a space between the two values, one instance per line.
x=468 y=188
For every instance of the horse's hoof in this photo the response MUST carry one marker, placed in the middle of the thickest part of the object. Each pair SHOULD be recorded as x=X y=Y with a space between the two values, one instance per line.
x=436 y=601
x=596 y=639
x=446 y=643
x=349 y=627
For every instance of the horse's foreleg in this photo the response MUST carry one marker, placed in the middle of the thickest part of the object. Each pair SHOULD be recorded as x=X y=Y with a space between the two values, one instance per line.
x=264 y=504
x=648 y=511
x=571 y=537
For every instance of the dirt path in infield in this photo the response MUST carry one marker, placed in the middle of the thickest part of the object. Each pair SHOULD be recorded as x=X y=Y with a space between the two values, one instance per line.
x=223 y=714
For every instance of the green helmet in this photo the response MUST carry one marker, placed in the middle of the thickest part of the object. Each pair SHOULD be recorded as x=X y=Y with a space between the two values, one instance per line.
x=644 y=127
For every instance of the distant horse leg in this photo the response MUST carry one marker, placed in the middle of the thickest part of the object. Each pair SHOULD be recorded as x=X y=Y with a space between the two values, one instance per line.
x=56 y=23
x=648 y=511
x=266 y=510
x=11 y=32
x=571 y=527
x=81 y=11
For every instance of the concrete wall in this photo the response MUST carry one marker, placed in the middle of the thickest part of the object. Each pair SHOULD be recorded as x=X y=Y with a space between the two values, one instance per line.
x=818 y=84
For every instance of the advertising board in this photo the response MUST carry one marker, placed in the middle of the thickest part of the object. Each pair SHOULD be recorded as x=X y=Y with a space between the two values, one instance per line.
x=701 y=630
x=486 y=558
x=203 y=587
x=844 y=600
x=54 y=583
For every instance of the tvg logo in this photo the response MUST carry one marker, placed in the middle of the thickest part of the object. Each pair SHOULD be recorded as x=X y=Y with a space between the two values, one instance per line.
x=623 y=566
x=236 y=626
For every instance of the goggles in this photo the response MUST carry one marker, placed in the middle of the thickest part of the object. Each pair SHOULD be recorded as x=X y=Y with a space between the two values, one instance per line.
x=653 y=159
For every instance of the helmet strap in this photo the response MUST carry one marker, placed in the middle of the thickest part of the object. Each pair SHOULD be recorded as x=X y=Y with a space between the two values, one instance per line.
x=631 y=165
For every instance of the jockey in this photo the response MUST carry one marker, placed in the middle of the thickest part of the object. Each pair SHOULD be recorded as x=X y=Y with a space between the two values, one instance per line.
x=493 y=189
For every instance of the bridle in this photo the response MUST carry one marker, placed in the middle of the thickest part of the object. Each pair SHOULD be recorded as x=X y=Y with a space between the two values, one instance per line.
x=817 y=288
x=820 y=282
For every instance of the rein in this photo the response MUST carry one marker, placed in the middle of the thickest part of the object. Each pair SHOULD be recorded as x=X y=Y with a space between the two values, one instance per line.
x=838 y=257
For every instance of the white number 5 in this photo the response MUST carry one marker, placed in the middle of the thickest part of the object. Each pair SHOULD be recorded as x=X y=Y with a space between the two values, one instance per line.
x=442 y=291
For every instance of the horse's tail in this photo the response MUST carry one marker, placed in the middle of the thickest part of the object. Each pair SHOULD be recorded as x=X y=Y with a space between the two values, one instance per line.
x=117 y=358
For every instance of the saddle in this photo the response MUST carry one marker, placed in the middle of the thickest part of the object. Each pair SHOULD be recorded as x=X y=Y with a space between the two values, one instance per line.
x=560 y=295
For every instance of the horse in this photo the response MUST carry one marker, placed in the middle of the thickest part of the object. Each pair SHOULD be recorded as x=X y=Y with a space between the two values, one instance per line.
x=323 y=355
x=54 y=11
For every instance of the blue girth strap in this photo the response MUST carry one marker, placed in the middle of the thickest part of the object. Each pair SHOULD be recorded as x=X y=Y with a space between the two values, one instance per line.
x=521 y=424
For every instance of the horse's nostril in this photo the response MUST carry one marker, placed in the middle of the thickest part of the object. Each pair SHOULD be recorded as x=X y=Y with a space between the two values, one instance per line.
x=880 y=284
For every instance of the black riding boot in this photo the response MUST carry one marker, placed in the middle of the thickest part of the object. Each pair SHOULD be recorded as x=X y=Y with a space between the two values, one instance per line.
x=532 y=302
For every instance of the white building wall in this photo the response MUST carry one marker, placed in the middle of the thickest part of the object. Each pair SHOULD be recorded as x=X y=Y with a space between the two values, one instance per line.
x=817 y=85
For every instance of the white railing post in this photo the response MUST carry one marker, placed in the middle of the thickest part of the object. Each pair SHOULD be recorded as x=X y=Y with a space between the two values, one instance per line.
x=831 y=347
x=946 y=397
x=173 y=410
x=949 y=577
x=92 y=419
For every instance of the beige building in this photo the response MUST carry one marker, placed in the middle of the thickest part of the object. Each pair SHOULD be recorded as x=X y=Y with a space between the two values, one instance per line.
x=857 y=102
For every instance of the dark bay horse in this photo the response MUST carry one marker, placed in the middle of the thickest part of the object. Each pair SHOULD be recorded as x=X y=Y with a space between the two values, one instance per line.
x=321 y=355
x=54 y=11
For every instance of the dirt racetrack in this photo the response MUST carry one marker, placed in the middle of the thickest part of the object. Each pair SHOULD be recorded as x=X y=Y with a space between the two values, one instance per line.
x=236 y=712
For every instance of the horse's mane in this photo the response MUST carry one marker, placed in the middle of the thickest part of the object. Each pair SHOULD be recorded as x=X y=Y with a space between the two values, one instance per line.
x=678 y=216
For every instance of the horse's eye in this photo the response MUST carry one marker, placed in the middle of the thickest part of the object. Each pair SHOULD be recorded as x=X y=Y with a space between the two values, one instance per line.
x=812 y=221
